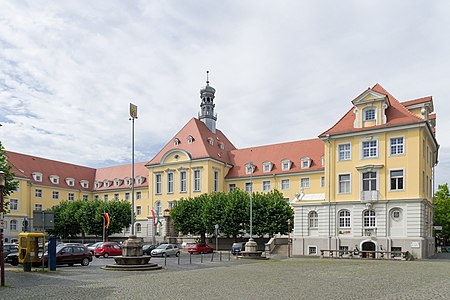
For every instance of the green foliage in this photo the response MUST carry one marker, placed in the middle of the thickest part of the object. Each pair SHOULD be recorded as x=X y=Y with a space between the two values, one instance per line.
x=85 y=217
x=442 y=212
x=231 y=211
x=10 y=184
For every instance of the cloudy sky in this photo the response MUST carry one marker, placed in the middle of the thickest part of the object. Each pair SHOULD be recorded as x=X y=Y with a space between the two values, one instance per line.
x=283 y=70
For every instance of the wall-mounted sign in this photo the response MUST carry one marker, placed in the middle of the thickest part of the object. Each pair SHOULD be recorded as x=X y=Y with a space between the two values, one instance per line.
x=415 y=244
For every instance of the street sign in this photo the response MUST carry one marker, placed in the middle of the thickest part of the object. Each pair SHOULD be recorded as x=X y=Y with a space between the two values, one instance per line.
x=43 y=219
x=437 y=227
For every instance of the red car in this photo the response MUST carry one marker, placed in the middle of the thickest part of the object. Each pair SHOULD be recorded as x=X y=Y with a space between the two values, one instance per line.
x=200 y=248
x=107 y=249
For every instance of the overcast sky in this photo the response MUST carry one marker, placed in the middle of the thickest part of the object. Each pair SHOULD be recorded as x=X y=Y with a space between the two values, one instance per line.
x=282 y=70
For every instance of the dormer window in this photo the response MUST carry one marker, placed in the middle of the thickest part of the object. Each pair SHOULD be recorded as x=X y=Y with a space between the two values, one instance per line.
x=54 y=179
x=249 y=168
x=117 y=182
x=190 y=139
x=285 y=165
x=98 y=184
x=267 y=166
x=306 y=162
x=70 y=181
x=221 y=145
x=211 y=141
x=140 y=179
x=84 y=184
x=128 y=181
x=37 y=176
x=106 y=183
x=369 y=114
x=176 y=142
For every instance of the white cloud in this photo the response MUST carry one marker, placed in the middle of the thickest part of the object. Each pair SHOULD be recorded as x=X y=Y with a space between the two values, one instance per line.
x=283 y=71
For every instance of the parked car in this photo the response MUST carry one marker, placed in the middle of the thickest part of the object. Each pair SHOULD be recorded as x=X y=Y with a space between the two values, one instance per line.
x=237 y=248
x=92 y=247
x=66 y=254
x=166 y=250
x=71 y=254
x=147 y=249
x=445 y=249
x=9 y=248
x=12 y=258
x=200 y=248
x=108 y=249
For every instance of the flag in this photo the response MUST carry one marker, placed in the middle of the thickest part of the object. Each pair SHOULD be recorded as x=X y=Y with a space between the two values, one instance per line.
x=133 y=111
x=107 y=219
x=155 y=215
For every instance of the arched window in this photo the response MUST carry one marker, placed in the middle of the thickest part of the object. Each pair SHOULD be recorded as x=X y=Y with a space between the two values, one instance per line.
x=158 y=207
x=13 y=225
x=138 y=227
x=369 y=218
x=313 y=219
x=344 y=219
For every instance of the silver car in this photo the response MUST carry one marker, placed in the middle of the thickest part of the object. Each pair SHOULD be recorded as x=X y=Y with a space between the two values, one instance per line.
x=166 y=250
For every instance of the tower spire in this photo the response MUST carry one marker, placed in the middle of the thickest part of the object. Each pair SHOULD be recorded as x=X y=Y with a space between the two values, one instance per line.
x=206 y=114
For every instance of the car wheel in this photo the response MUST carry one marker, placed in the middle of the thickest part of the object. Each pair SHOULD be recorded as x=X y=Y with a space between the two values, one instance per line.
x=85 y=262
x=97 y=256
x=14 y=263
x=177 y=254
x=105 y=255
x=70 y=265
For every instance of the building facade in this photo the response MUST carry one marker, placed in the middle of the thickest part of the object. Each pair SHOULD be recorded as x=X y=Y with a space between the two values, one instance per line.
x=367 y=182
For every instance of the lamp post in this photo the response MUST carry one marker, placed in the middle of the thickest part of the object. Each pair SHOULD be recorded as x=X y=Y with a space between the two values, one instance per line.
x=133 y=115
x=251 y=204
x=2 y=260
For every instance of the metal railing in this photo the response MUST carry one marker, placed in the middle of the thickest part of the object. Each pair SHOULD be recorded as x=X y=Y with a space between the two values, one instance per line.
x=370 y=196
x=404 y=255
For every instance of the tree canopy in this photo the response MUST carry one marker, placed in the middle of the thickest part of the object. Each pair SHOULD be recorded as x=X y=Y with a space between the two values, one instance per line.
x=10 y=184
x=442 y=212
x=231 y=211
x=74 y=218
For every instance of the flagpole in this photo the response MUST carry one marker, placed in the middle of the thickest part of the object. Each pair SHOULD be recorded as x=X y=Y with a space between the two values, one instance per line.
x=104 y=224
x=133 y=114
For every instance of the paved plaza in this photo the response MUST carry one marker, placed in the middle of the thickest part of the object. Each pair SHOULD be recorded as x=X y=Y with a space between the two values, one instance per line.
x=294 y=278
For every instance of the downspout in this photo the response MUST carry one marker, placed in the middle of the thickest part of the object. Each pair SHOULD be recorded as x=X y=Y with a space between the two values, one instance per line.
x=329 y=191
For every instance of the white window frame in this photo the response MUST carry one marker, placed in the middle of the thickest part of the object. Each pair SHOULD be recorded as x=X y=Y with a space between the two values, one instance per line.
x=14 y=204
x=170 y=182
x=55 y=195
x=138 y=227
x=183 y=182
x=85 y=197
x=13 y=225
x=70 y=181
x=349 y=182
x=312 y=250
x=54 y=179
x=285 y=165
x=138 y=195
x=105 y=197
x=345 y=218
x=158 y=207
x=369 y=219
x=158 y=184
x=285 y=184
x=267 y=167
x=37 y=176
x=305 y=162
x=38 y=193
x=249 y=168
x=266 y=185
x=84 y=184
x=248 y=187
x=127 y=196
x=216 y=181
x=377 y=180
x=370 y=148
x=38 y=206
x=397 y=177
x=397 y=146
x=138 y=210
x=231 y=187
x=116 y=196
x=313 y=220
x=197 y=180
x=71 y=196
x=305 y=179
x=322 y=181
x=346 y=153
x=367 y=109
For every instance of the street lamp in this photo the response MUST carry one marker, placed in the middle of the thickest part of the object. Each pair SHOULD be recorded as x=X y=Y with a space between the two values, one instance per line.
x=2 y=260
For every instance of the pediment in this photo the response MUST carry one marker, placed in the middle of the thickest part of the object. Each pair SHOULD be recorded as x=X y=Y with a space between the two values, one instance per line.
x=370 y=96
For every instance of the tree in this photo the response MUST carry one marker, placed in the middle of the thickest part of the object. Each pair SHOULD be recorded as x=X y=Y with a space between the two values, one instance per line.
x=73 y=218
x=236 y=213
x=188 y=215
x=10 y=184
x=442 y=212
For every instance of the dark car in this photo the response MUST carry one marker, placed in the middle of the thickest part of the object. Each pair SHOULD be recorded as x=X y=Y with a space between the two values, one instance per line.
x=66 y=254
x=9 y=248
x=147 y=249
x=12 y=258
x=237 y=248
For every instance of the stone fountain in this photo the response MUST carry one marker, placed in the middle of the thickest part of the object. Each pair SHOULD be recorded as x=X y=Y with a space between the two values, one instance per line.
x=132 y=258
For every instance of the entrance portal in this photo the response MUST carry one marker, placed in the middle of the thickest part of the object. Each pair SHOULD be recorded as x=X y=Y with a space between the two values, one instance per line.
x=367 y=248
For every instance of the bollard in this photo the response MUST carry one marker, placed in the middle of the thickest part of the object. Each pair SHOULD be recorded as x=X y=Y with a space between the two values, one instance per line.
x=190 y=258
x=220 y=256
x=212 y=256
x=229 y=255
x=179 y=256
x=27 y=264
x=201 y=257
x=165 y=259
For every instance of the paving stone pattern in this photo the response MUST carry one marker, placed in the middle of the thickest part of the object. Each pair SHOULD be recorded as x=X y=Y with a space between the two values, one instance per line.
x=294 y=278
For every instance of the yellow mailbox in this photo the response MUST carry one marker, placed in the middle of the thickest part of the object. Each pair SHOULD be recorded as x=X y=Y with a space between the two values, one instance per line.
x=31 y=247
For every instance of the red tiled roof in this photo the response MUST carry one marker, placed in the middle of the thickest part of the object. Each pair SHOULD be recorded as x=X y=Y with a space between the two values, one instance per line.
x=417 y=101
x=293 y=151
x=121 y=172
x=396 y=114
x=200 y=147
x=23 y=166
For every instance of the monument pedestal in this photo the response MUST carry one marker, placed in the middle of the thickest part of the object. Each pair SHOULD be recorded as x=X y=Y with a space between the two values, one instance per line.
x=251 y=251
